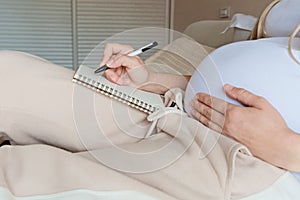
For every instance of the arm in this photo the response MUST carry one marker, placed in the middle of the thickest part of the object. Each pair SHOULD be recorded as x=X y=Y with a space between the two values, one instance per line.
x=160 y=83
x=259 y=126
x=293 y=147
x=126 y=70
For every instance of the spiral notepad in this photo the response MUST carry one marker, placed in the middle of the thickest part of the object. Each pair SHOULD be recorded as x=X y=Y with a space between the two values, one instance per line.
x=141 y=100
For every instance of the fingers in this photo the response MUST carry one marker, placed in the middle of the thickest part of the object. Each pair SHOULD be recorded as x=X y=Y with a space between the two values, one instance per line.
x=224 y=117
x=128 y=62
x=207 y=115
x=245 y=97
x=211 y=112
x=215 y=103
x=113 y=49
x=207 y=122
x=113 y=75
x=107 y=54
x=119 y=68
x=208 y=112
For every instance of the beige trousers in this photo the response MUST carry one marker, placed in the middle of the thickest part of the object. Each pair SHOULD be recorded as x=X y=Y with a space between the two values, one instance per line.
x=37 y=100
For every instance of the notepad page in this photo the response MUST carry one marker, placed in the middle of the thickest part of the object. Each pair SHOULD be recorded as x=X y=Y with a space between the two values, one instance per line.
x=142 y=100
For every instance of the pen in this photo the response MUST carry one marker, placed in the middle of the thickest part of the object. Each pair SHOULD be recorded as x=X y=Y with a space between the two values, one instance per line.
x=133 y=53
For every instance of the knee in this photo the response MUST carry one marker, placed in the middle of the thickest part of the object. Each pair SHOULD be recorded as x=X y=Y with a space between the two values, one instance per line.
x=9 y=56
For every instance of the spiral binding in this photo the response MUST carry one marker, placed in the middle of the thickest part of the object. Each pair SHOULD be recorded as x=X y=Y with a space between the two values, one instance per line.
x=113 y=93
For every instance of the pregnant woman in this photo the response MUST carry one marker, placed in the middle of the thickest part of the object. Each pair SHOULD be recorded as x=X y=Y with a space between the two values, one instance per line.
x=37 y=107
x=256 y=124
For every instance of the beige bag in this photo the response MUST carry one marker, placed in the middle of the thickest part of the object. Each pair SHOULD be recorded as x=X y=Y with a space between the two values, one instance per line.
x=258 y=31
x=291 y=43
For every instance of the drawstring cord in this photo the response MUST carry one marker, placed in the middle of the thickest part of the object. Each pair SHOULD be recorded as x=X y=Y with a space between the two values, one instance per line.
x=174 y=105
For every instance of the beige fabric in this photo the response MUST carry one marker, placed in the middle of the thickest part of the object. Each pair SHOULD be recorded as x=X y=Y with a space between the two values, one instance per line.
x=182 y=56
x=37 y=110
x=38 y=96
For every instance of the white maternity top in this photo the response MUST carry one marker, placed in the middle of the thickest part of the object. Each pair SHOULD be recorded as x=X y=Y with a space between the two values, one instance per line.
x=263 y=67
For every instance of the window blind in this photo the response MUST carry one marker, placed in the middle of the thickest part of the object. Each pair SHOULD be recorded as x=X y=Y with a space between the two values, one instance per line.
x=98 y=20
x=65 y=31
x=39 y=27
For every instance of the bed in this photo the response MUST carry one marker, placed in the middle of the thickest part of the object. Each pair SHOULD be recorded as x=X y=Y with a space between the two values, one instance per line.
x=55 y=164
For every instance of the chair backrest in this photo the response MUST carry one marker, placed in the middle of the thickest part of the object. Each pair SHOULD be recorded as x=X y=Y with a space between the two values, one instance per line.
x=210 y=33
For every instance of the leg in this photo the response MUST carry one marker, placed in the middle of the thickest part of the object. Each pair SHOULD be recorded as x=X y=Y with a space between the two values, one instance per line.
x=36 y=105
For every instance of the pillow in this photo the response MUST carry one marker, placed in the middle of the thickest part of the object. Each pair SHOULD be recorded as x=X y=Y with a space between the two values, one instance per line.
x=282 y=19
x=181 y=56
x=242 y=26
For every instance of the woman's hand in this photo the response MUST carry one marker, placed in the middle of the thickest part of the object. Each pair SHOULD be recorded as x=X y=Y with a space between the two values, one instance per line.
x=124 y=70
x=258 y=125
x=127 y=70
x=111 y=50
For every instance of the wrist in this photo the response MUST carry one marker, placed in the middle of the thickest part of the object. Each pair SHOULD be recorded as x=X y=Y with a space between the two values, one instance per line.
x=153 y=83
x=152 y=77
x=291 y=151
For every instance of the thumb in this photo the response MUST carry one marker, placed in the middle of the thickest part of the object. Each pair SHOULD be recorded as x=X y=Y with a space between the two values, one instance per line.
x=245 y=97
